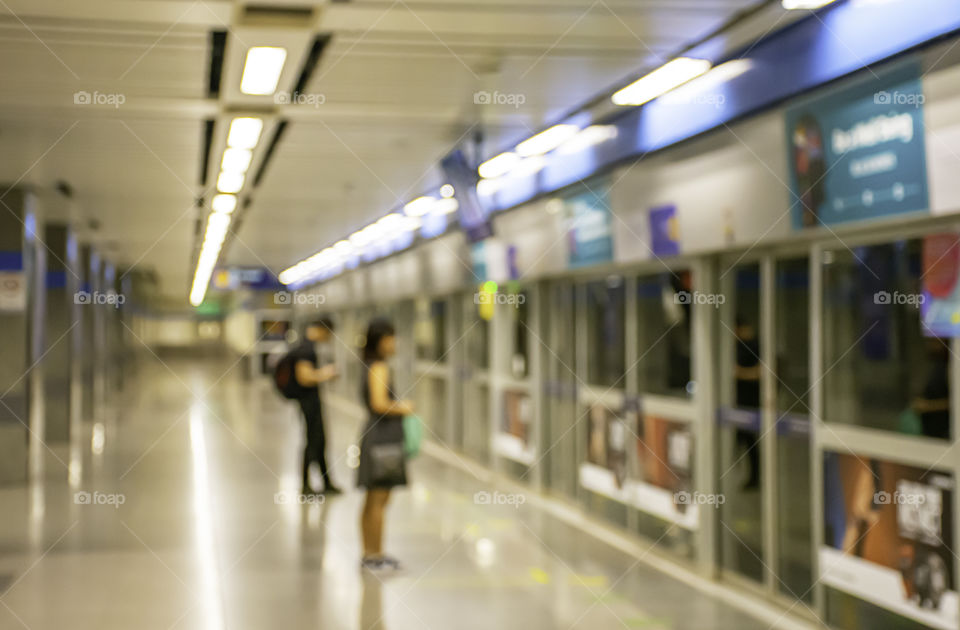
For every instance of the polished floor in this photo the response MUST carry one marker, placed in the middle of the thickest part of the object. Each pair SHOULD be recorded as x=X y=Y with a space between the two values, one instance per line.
x=187 y=525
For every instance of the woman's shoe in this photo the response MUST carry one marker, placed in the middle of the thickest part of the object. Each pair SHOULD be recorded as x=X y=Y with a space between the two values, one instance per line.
x=391 y=562
x=380 y=564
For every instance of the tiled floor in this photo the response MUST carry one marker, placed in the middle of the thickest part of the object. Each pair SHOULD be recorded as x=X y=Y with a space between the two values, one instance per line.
x=186 y=527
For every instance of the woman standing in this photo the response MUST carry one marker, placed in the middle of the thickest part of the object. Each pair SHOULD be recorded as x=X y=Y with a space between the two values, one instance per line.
x=382 y=458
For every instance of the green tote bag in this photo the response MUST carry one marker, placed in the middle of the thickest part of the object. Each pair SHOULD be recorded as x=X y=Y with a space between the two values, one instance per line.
x=412 y=435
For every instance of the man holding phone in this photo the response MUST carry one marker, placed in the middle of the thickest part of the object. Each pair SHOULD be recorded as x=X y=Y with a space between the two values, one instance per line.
x=310 y=375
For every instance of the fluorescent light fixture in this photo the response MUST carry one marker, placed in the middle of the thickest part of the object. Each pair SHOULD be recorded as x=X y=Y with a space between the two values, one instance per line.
x=393 y=218
x=217 y=226
x=796 y=5
x=446 y=206
x=530 y=166
x=244 y=133
x=725 y=72
x=216 y=232
x=419 y=207
x=547 y=140
x=487 y=187
x=671 y=75
x=591 y=136
x=447 y=191
x=236 y=160
x=224 y=204
x=230 y=182
x=261 y=72
x=497 y=166
x=198 y=292
x=710 y=88
x=361 y=238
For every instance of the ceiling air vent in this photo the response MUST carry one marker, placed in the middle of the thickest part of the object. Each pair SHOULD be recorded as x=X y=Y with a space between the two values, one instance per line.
x=276 y=15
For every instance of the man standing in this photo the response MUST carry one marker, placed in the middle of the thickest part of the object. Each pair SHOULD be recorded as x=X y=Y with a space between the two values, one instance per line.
x=309 y=375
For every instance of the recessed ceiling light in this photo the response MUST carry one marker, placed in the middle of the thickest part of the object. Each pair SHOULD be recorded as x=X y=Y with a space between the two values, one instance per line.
x=261 y=72
x=419 y=206
x=547 y=140
x=671 y=75
x=230 y=182
x=224 y=204
x=796 y=5
x=499 y=165
x=244 y=133
x=446 y=206
x=236 y=160
x=591 y=136
x=447 y=191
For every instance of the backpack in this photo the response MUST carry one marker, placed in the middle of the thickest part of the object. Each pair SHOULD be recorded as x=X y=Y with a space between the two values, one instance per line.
x=285 y=377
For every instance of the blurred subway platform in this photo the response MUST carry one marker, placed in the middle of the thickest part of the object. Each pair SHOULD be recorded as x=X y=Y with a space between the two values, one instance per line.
x=184 y=517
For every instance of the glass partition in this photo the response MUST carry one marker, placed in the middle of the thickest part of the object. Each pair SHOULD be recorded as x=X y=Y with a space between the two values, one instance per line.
x=792 y=371
x=430 y=329
x=741 y=516
x=883 y=368
x=664 y=303
x=606 y=317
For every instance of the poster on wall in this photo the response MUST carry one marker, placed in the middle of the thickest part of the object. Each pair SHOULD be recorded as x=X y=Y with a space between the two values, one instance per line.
x=940 y=308
x=665 y=469
x=664 y=231
x=515 y=438
x=643 y=460
x=589 y=229
x=13 y=292
x=888 y=537
x=858 y=153
x=607 y=442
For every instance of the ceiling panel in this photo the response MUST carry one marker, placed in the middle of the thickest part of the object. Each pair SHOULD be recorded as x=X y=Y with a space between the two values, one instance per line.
x=394 y=91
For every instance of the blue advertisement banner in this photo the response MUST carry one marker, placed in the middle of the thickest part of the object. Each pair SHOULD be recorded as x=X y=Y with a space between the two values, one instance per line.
x=258 y=278
x=858 y=153
x=590 y=230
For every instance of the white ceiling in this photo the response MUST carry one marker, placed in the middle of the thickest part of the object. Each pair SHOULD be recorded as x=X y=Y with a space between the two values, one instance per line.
x=397 y=81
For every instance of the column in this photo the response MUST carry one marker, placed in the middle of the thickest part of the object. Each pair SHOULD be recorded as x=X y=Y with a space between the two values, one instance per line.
x=21 y=335
x=61 y=283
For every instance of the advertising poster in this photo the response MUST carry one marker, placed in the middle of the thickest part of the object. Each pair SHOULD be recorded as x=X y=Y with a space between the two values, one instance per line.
x=858 y=153
x=940 y=308
x=589 y=230
x=888 y=537
x=664 y=231
x=13 y=292
x=664 y=484
x=607 y=442
x=642 y=460
x=515 y=439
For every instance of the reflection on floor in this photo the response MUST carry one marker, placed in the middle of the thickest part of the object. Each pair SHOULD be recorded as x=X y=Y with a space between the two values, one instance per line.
x=183 y=521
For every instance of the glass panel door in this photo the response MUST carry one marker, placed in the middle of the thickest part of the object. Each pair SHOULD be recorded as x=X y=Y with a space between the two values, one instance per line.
x=474 y=374
x=792 y=384
x=560 y=390
x=740 y=475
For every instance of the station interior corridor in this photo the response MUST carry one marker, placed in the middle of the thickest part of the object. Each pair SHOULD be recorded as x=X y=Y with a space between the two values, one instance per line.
x=201 y=529
x=644 y=314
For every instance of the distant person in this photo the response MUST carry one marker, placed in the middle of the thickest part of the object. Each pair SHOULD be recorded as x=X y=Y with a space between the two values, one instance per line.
x=746 y=374
x=933 y=404
x=310 y=375
x=382 y=457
